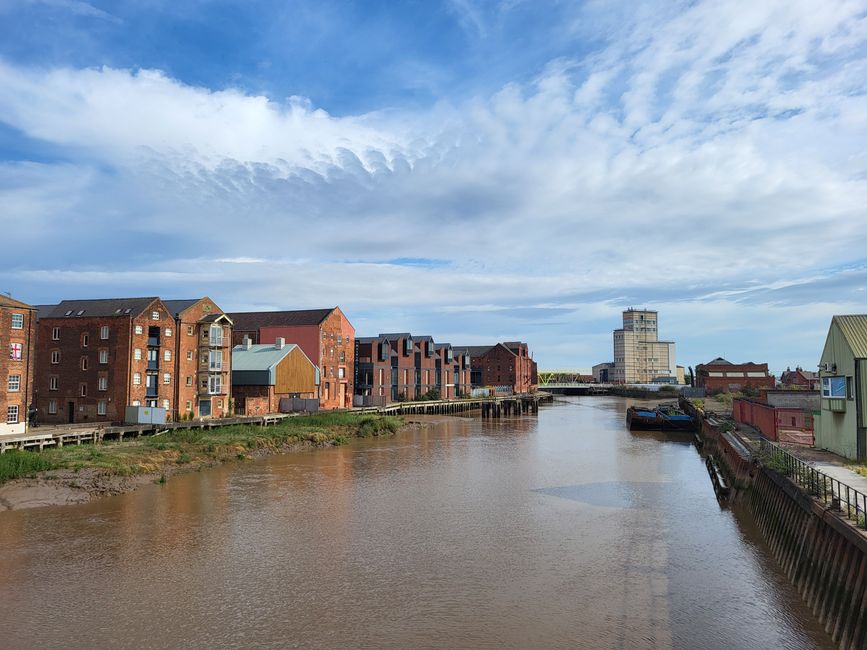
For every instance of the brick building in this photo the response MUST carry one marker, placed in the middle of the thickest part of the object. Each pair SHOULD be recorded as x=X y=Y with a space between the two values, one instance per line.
x=325 y=335
x=264 y=374
x=17 y=363
x=800 y=379
x=398 y=365
x=202 y=358
x=506 y=367
x=720 y=375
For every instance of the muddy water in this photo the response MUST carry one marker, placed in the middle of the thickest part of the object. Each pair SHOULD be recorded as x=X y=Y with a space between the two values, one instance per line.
x=562 y=531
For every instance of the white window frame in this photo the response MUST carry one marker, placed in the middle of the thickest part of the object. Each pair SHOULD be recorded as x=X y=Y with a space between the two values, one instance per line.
x=82 y=390
x=215 y=384
x=831 y=388
x=189 y=355
x=103 y=356
x=136 y=402
x=17 y=321
x=55 y=357
x=166 y=404
x=190 y=330
x=155 y=315
x=167 y=378
x=53 y=381
x=136 y=379
x=167 y=355
x=215 y=360
x=13 y=384
x=103 y=333
x=102 y=383
x=52 y=406
x=83 y=363
x=136 y=354
x=168 y=332
x=55 y=333
x=101 y=407
x=12 y=414
x=139 y=329
x=189 y=380
x=216 y=335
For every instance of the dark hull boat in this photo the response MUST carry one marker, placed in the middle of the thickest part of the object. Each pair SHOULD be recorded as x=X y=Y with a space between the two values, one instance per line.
x=664 y=418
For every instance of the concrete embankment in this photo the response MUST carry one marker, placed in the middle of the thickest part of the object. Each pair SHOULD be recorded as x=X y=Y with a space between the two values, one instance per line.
x=822 y=554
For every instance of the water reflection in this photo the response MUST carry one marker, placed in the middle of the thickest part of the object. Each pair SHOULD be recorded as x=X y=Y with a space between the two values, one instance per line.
x=562 y=531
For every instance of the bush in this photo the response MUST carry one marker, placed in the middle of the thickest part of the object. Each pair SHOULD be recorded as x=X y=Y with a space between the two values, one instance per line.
x=432 y=395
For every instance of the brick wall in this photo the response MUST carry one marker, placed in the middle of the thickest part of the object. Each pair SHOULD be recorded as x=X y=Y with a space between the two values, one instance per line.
x=24 y=369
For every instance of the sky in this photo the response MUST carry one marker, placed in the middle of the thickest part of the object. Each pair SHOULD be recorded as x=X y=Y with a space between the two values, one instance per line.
x=475 y=171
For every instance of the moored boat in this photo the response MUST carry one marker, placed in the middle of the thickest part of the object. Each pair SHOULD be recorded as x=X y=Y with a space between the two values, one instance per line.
x=638 y=417
x=672 y=418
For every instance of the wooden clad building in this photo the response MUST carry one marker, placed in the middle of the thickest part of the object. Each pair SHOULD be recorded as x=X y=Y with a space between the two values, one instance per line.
x=265 y=373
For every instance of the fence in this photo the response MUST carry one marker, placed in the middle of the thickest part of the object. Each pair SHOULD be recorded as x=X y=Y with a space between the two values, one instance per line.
x=838 y=495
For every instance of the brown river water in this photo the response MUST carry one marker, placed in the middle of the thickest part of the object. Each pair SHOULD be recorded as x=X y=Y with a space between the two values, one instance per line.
x=564 y=530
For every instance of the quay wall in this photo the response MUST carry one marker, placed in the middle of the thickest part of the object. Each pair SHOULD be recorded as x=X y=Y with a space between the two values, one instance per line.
x=822 y=555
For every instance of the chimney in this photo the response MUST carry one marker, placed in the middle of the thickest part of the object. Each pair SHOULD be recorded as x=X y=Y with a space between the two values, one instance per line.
x=247 y=343
x=280 y=343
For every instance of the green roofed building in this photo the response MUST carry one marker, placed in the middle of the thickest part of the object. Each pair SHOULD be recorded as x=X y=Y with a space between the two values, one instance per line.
x=843 y=373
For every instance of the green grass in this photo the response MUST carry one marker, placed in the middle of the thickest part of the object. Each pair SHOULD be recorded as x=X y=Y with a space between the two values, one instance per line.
x=199 y=447
x=15 y=464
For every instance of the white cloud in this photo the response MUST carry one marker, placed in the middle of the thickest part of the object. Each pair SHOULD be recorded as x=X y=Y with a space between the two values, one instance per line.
x=700 y=162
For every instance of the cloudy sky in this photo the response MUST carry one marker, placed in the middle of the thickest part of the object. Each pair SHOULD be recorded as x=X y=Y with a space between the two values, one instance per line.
x=477 y=171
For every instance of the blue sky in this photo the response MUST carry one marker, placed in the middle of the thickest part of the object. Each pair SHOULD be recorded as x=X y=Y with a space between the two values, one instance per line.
x=472 y=170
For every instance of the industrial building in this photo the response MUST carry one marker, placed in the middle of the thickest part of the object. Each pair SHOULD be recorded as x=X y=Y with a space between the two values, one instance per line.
x=639 y=356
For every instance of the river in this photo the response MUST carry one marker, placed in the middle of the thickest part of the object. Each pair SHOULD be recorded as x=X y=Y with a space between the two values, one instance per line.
x=564 y=530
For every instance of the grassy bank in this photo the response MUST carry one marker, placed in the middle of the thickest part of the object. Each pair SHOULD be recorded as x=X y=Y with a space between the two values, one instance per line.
x=198 y=447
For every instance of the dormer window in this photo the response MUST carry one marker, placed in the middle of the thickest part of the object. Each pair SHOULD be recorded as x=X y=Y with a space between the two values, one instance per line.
x=407 y=346
x=384 y=349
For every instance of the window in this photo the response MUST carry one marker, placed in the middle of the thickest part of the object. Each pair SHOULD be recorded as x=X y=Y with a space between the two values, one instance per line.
x=102 y=383
x=216 y=335
x=339 y=339
x=215 y=361
x=136 y=354
x=166 y=404
x=189 y=380
x=100 y=407
x=16 y=351
x=12 y=414
x=215 y=384
x=52 y=382
x=342 y=356
x=103 y=356
x=189 y=355
x=167 y=355
x=103 y=332
x=834 y=387
x=155 y=315
x=14 y=384
x=167 y=378
x=341 y=373
x=136 y=402
x=136 y=379
x=82 y=390
x=52 y=406
x=219 y=403
x=189 y=330
x=189 y=405
x=18 y=321
x=84 y=363
x=55 y=333
x=55 y=357
x=139 y=329
x=168 y=331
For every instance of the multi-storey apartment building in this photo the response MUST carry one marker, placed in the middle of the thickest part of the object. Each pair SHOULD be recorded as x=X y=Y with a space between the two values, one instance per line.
x=17 y=359
x=398 y=365
x=325 y=335
x=639 y=356
x=505 y=367
x=203 y=359
x=96 y=357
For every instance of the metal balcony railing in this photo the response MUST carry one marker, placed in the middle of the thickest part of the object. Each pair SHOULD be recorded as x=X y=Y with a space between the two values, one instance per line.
x=847 y=500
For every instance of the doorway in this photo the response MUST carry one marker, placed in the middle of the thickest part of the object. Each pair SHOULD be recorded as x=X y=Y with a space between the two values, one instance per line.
x=70 y=412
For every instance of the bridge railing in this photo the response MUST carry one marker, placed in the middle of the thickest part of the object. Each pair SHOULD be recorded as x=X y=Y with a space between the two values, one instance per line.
x=844 y=498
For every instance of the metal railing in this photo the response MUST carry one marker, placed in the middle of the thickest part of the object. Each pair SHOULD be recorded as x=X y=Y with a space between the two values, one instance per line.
x=841 y=497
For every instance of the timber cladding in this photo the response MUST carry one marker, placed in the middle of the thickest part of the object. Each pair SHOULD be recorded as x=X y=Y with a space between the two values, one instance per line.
x=295 y=375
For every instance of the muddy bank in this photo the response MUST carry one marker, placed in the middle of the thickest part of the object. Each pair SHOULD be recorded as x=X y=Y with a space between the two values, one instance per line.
x=71 y=486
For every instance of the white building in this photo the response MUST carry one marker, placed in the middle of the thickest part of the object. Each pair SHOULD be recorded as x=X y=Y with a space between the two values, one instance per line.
x=639 y=356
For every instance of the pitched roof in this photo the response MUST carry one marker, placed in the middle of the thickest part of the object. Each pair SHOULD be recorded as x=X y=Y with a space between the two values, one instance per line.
x=253 y=320
x=395 y=335
x=175 y=307
x=9 y=301
x=475 y=351
x=719 y=361
x=259 y=357
x=100 y=308
x=43 y=310
x=854 y=329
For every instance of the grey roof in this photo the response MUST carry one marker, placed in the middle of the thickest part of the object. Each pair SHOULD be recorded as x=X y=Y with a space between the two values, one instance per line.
x=43 y=310
x=253 y=320
x=396 y=335
x=175 y=307
x=120 y=307
x=719 y=361
x=475 y=351
x=366 y=339
x=262 y=356
x=854 y=329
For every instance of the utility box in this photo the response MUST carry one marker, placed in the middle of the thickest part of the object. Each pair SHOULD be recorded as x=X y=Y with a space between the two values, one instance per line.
x=144 y=415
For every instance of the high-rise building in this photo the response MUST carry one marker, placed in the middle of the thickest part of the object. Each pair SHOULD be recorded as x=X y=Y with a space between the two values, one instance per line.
x=639 y=356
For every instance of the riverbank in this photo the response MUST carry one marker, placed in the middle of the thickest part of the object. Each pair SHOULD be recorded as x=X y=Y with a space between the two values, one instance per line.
x=77 y=474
